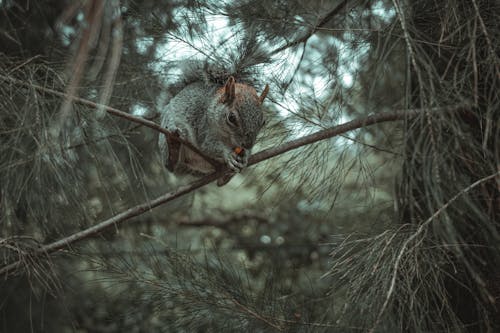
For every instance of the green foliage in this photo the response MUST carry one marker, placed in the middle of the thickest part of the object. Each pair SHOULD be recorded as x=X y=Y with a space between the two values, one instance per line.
x=412 y=206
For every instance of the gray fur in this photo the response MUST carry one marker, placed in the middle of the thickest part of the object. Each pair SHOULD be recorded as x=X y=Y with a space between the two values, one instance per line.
x=198 y=115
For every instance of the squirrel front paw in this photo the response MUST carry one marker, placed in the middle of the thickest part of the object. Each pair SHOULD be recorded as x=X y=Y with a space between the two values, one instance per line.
x=236 y=162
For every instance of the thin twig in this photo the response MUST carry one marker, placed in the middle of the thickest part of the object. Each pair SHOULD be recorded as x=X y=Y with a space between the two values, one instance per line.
x=254 y=159
x=256 y=315
x=491 y=49
x=318 y=26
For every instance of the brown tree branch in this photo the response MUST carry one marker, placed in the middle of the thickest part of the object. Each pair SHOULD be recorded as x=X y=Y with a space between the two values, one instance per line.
x=68 y=241
x=113 y=221
x=115 y=112
x=346 y=127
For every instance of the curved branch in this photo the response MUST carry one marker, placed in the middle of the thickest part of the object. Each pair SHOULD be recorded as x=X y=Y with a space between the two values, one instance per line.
x=346 y=127
x=254 y=159
x=115 y=112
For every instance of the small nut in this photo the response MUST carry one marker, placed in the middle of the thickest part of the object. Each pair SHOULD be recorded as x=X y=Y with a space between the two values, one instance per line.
x=238 y=150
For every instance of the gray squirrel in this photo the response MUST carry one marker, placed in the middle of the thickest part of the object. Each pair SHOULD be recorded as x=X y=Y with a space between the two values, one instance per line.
x=217 y=115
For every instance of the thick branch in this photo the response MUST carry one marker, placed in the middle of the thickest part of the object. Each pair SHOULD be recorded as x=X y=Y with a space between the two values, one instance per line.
x=259 y=157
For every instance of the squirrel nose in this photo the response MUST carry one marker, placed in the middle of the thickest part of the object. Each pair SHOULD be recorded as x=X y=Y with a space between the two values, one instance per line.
x=248 y=141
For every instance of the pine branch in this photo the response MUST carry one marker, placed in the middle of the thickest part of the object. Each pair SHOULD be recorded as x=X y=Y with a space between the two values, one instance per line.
x=417 y=233
x=68 y=241
x=115 y=112
x=346 y=127
x=318 y=26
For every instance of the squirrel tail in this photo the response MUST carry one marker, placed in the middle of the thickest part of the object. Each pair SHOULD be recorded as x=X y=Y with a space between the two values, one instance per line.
x=242 y=64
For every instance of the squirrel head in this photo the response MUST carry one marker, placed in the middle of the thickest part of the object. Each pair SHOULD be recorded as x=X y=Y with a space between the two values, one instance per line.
x=242 y=113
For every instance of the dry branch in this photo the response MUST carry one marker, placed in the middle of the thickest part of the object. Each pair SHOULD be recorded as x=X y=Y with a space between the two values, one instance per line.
x=68 y=241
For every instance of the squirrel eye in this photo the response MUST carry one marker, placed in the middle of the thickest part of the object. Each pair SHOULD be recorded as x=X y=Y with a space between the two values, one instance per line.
x=231 y=119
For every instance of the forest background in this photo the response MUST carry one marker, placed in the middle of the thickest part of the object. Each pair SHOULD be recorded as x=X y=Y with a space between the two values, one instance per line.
x=373 y=198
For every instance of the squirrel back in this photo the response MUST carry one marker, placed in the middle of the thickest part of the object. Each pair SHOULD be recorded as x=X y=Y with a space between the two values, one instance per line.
x=219 y=116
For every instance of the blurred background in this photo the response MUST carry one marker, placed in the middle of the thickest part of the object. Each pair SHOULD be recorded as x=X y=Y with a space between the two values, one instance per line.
x=387 y=228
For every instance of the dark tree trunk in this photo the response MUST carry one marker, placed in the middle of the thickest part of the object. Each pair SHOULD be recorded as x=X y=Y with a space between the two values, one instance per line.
x=454 y=59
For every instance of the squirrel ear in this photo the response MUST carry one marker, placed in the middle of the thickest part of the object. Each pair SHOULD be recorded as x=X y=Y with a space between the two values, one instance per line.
x=264 y=94
x=229 y=91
